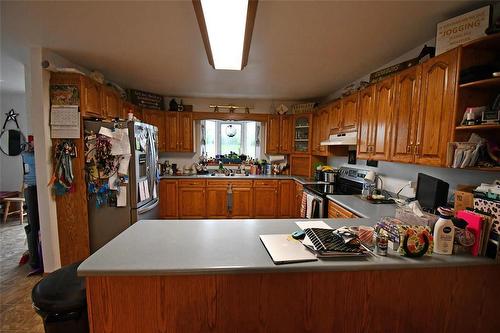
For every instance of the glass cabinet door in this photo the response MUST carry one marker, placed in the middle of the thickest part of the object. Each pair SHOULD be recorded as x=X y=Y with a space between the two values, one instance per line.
x=301 y=140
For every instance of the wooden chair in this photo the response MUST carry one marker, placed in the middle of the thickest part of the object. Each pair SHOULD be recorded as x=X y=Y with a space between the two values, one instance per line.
x=13 y=198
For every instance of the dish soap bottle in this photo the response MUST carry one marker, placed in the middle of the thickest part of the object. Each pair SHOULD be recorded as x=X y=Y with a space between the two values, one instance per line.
x=444 y=232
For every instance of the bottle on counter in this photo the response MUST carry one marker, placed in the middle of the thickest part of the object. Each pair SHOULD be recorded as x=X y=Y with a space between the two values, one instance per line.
x=444 y=232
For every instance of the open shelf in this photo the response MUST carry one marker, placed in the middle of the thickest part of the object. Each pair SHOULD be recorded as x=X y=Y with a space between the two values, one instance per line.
x=477 y=127
x=487 y=83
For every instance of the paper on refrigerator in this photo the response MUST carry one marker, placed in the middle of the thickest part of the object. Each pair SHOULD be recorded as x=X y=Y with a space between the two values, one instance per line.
x=120 y=144
x=124 y=163
x=121 y=197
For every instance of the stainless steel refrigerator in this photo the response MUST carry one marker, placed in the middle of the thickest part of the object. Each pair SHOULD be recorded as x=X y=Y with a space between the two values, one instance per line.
x=105 y=222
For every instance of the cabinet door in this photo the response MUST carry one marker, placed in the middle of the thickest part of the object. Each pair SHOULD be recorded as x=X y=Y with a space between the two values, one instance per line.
x=349 y=113
x=286 y=206
x=382 y=119
x=111 y=103
x=192 y=202
x=436 y=109
x=171 y=132
x=217 y=202
x=273 y=134
x=91 y=99
x=186 y=132
x=168 y=198
x=366 y=104
x=302 y=135
x=316 y=133
x=242 y=202
x=335 y=117
x=157 y=118
x=286 y=134
x=405 y=114
x=324 y=130
x=265 y=202
x=299 y=189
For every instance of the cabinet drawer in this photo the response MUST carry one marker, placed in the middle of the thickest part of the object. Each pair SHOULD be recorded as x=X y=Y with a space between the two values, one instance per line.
x=191 y=182
x=337 y=211
x=226 y=183
x=265 y=183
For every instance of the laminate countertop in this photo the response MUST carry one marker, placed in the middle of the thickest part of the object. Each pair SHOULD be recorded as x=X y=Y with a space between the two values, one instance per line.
x=363 y=208
x=302 y=180
x=193 y=247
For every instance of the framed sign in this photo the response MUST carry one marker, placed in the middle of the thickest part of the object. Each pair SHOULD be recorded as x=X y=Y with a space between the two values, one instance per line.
x=146 y=99
x=462 y=29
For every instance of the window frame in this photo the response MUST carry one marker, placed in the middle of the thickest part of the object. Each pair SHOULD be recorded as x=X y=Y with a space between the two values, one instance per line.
x=243 y=138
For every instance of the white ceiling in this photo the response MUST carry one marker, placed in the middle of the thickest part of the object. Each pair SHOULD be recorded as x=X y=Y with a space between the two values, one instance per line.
x=300 y=49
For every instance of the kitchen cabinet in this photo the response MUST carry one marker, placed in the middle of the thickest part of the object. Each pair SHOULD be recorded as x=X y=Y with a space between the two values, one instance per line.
x=265 y=197
x=279 y=134
x=405 y=115
x=366 y=110
x=91 y=98
x=299 y=189
x=218 y=192
x=302 y=133
x=242 y=201
x=316 y=133
x=436 y=110
x=168 y=198
x=157 y=118
x=111 y=103
x=217 y=202
x=349 y=113
x=337 y=211
x=381 y=121
x=323 y=130
x=179 y=132
x=286 y=205
x=128 y=107
x=335 y=117
x=192 y=199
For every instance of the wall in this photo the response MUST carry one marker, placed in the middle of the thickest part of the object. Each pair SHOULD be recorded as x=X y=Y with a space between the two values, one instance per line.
x=11 y=167
x=202 y=105
x=396 y=175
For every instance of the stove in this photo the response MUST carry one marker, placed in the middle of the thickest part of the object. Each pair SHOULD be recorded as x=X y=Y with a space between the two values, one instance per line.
x=349 y=181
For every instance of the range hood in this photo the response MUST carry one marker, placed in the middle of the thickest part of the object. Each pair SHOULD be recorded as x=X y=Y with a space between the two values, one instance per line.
x=341 y=139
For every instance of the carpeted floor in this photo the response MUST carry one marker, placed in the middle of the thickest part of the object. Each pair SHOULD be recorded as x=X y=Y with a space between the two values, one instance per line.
x=16 y=313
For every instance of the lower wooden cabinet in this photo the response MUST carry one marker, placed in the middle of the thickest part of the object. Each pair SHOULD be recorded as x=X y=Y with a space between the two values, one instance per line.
x=242 y=202
x=192 y=199
x=168 y=199
x=286 y=206
x=265 y=202
x=217 y=202
x=337 y=211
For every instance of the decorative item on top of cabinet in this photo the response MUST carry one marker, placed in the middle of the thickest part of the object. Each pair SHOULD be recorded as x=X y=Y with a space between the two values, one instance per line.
x=265 y=198
x=279 y=134
x=168 y=198
x=349 y=113
x=436 y=109
x=405 y=115
x=302 y=133
x=131 y=108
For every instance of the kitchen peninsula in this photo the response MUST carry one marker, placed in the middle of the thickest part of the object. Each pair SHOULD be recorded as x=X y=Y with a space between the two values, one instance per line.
x=203 y=276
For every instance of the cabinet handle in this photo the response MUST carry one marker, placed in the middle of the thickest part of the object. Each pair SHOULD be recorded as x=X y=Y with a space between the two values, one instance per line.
x=417 y=149
x=408 y=148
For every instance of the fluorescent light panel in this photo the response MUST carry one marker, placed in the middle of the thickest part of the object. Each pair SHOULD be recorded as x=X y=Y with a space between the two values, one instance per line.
x=226 y=21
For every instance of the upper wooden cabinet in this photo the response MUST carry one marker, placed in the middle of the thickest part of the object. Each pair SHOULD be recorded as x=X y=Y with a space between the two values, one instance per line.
x=302 y=133
x=324 y=130
x=366 y=110
x=157 y=118
x=171 y=132
x=349 y=113
x=335 y=117
x=381 y=121
x=279 y=134
x=316 y=133
x=405 y=115
x=186 y=139
x=111 y=103
x=437 y=107
x=91 y=98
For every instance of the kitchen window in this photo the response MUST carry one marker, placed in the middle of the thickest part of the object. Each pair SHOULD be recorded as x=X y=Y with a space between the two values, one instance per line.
x=222 y=137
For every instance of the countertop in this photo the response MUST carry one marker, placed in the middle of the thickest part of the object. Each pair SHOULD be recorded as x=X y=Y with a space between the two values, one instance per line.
x=302 y=180
x=162 y=247
x=363 y=208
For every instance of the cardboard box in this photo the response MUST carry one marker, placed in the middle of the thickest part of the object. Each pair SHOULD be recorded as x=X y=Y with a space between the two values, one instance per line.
x=464 y=198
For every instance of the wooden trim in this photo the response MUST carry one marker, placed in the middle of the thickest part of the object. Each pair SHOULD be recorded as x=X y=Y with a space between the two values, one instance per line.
x=203 y=30
x=262 y=117
x=251 y=12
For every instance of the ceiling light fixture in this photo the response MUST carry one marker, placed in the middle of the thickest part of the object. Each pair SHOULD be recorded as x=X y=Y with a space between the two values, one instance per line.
x=226 y=29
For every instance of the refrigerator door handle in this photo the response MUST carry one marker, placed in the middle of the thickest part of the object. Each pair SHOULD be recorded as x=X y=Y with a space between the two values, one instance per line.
x=147 y=208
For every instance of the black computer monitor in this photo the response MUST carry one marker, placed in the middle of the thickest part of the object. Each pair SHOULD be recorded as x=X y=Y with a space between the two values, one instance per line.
x=431 y=192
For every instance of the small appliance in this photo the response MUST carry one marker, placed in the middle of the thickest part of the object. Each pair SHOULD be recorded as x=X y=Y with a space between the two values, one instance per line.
x=431 y=192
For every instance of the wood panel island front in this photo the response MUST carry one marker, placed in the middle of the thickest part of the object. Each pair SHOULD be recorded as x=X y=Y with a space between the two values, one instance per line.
x=216 y=276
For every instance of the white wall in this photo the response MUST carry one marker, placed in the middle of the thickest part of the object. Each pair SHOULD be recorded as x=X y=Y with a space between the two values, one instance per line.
x=396 y=175
x=11 y=170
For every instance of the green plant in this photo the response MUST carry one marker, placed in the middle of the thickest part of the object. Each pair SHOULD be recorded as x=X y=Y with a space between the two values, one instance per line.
x=317 y=165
